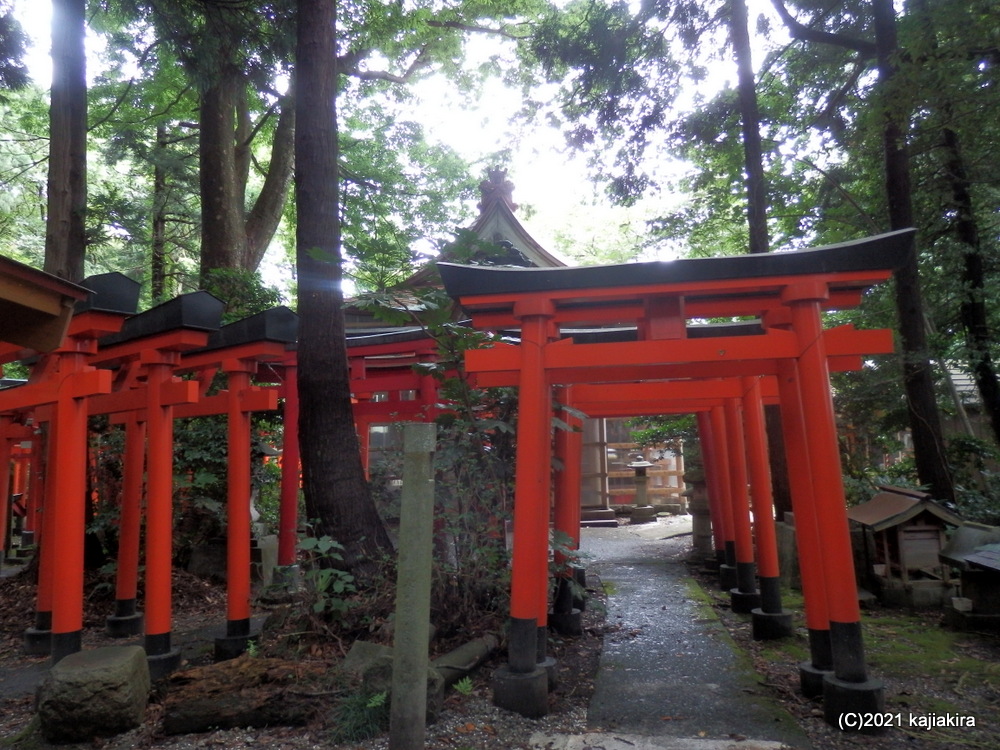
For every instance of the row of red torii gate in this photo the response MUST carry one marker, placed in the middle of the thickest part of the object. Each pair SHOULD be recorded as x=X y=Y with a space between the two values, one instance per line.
x=607 y=341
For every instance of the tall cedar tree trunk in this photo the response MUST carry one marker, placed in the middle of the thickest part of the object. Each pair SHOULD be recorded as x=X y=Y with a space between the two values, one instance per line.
x=972 y=312
x=158 y=265
x=336 y=493
x=973 y=308
x=65 y=230
x=231 y=237
x=223 y=227
x=756 y=185
x=753 y=155
x=925 y=424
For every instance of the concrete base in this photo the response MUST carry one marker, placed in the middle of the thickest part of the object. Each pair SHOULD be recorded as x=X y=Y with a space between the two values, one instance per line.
x=727 y=577
x=549 y=664
x=37 y=642
x=743 y=602
x=524 y=693
x=961 y=620
x=162 y=665
x=770 y=626
x=567 y=623
x=811 y=679
x=124 y=626
x=230 y=646
x=643 y=514
x=841 y=698
x=589 y=515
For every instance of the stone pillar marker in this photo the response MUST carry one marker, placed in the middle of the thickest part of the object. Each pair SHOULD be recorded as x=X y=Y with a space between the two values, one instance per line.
x=408 y=711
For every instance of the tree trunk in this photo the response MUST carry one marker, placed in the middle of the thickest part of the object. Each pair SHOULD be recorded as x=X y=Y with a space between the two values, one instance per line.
x=266 y=213
x=336 y=493
x=973 y=307
x=223 y=225
x=158 y=264
x=925 y=424
x=760 y=241
x=753 y=154
x=65 y=229
x=972 y=311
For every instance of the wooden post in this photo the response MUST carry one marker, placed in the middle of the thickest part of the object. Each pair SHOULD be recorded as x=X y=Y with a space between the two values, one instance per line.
x=408 y=712
x=770 y=621
x=159 y=517
x=5 y=485
x=849 y=687
x=288 y=520
x=126 y=619
x=744 y=596
x=807 y=536
x=238 y=531
x=529 y=574
x=709 y=461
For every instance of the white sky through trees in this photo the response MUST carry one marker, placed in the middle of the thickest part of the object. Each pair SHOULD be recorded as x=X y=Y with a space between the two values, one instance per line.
x=551 y=182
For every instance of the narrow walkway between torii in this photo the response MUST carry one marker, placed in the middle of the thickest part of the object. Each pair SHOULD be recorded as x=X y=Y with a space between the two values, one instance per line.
x=669 y=677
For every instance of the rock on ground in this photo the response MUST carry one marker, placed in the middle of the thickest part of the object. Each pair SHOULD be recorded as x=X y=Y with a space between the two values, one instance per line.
x=95 y=693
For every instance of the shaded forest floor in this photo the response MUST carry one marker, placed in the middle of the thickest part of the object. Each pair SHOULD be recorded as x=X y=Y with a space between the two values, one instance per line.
x=926 y=669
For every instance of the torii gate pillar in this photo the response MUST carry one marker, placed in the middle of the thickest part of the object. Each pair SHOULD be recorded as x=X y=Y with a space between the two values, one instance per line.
x=849 y=687
x=566 y=617
x=522 y=685
x=721 y=465
x=770 y=621
x=809 y=545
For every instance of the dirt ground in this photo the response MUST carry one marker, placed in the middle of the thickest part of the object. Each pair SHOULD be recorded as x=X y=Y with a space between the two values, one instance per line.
x=927 y=670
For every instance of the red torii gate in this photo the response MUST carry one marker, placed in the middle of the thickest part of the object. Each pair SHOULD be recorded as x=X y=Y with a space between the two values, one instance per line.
x=387 y=363
x=787 y=292
x=57 y=393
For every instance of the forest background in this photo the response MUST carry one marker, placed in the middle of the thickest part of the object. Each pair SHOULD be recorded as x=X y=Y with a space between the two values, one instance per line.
x=169 y=153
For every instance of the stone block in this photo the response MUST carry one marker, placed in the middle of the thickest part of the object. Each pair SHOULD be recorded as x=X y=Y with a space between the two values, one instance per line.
x=95 y=693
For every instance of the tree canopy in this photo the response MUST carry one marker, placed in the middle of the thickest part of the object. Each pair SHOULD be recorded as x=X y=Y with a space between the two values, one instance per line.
x=191 y=119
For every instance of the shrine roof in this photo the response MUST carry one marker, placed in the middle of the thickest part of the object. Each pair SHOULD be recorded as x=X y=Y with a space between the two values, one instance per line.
x=854 y=261
x=277 y=324
x=968 y=538
x=110 y=292
x=373 y=336
x=894 y=506
x=35 y=306
x=197 y=311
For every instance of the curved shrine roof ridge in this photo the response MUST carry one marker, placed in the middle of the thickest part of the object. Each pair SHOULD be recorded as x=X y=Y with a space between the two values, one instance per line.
x=881 y=253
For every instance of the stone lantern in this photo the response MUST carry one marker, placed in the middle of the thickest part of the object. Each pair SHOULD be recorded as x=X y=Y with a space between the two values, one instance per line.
x=642 y=511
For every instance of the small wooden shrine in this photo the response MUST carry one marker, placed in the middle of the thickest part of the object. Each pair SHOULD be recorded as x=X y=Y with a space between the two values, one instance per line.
x=904 y=532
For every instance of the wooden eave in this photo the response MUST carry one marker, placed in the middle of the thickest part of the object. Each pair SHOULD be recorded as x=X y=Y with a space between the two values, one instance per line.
x=35 y=307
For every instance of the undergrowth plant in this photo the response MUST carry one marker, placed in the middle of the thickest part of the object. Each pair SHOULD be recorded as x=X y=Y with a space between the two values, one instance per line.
x=358 y=716
x=328 y=587
x=474 y=469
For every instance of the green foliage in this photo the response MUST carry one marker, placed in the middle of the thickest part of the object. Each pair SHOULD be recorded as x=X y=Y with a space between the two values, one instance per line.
x=13 y=46
x=667 y=431
x=359 y=716
x=23 y=174
x=464 y=686
x=244 y=292
x=976 y=463
x=473 y=465
x=329 y=587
